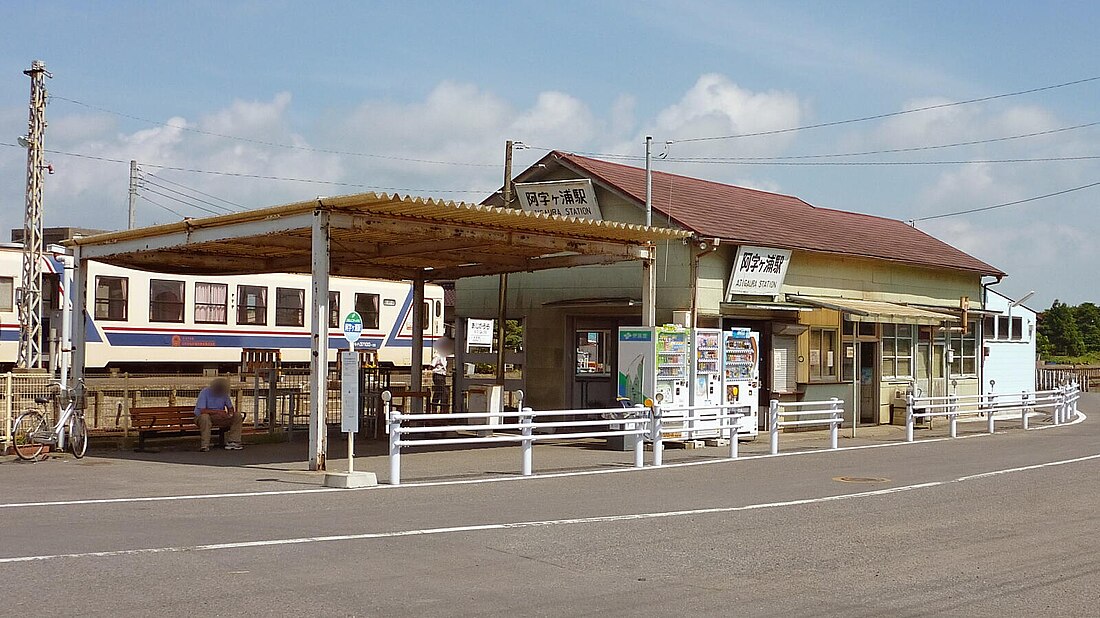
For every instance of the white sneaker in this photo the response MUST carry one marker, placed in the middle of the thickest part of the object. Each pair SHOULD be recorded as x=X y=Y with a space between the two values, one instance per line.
x=234 y=446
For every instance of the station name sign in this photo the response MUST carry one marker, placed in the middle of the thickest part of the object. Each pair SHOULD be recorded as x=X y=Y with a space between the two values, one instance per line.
x=565 y=198
x=759 y=271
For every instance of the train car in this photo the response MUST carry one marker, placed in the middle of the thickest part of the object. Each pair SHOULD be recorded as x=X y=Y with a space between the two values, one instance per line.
x=143 y=320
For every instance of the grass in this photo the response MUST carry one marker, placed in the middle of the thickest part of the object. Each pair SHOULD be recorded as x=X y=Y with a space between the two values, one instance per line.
x=1092 y=358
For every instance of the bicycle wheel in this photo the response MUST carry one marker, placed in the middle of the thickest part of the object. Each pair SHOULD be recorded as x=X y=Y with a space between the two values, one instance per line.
x=29 y=433
x=78 y=436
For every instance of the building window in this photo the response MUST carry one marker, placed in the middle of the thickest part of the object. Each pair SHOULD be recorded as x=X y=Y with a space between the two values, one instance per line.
x=823 y=359
x=111 y=294
x=211 y=303
x=1002 y=327
x=290 y=307
x=964 y=348
x=165 y=301
x=1017 y=328
x=897 y=351
x=989 y=327
x=366 y=305
x=7 y=293
x=251 y=305
x=593 y=353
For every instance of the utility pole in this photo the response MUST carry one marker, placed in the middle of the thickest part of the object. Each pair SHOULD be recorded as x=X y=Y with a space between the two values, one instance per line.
x=30 y=301
x=502 y=279
x=649 y=265
x=133 y=194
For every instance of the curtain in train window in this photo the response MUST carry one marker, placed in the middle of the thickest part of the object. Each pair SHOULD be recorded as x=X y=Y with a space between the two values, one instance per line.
x=211 y=303
x=111 y=294
x=334 y=310
x=366 y=305
x=251 y=305
x=165 y=301
x=290 y=307
x=7 y=293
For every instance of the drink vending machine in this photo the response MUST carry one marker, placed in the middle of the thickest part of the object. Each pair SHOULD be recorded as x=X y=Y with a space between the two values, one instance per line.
x=707 y=380
x=741 y=375
x=654 y=364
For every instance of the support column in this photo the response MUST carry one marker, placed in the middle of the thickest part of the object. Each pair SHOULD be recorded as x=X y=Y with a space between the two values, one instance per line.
x=318 y=324
x=79 y=315
x=649 y=289
x=416 y=364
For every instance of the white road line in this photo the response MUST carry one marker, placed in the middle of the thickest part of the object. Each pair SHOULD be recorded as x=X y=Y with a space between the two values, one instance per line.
x=539 y=523
x=549 y=475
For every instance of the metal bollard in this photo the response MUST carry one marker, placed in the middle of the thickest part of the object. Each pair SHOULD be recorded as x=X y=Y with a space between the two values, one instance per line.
x=989 y=423
x=393 y=427
x=910 y=420
x=639 y=438
x=1059 y=405
x=733 y=422
x=773 y=425
x=953 y=418
x=657 y=435
x=834 y=426
x=1023 y=410
x=525 y=419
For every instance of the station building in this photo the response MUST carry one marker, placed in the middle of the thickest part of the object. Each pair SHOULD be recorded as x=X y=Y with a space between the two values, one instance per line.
x=847 y=305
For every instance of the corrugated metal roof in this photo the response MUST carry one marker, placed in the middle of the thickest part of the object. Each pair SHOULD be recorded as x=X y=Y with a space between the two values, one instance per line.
x=382 y=235
x=878 y=311
x=750 y=216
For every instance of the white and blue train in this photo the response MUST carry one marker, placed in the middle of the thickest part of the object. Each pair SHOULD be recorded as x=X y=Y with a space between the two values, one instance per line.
x=144 y=321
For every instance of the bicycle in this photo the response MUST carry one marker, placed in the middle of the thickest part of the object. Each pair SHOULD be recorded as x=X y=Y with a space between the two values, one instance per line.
x=32 y=433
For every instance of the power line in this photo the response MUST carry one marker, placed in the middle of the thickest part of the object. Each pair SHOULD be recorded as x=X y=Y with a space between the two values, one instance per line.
x=194 y=190
x=159 y=205
x=258 y=176
x=889 y=114
x=887 y=163
x=1005 y=204
x=148 y=182
x=891 y=150
x=184 y=202
x=267 y=143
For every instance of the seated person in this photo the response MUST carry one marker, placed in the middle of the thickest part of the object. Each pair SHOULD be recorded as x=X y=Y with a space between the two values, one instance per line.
x=214 y=408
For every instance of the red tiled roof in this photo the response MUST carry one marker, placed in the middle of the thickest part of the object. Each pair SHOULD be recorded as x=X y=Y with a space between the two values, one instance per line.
x=742 y=215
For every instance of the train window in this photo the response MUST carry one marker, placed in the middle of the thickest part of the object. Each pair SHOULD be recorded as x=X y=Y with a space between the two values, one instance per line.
x=165 y=300
x=334 y=310
x=7 y=293
x=366 y=305
x=252 y=305
x=111 y=294
x=427 y=317
x=438 y=309
x=290 y=307
x=211 y=303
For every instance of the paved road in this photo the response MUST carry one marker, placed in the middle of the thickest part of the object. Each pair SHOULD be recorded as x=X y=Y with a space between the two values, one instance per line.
x=1002 y=525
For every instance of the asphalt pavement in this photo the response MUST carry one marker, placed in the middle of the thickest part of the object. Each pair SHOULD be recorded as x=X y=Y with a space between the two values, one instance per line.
x=985 y=525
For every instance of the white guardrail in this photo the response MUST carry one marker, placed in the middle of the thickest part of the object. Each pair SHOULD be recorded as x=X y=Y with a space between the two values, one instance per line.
x=805 y=413
x=637 y=424
x=1061 y=402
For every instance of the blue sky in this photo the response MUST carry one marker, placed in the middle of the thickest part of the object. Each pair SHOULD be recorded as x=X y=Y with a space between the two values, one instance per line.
x=451 y=81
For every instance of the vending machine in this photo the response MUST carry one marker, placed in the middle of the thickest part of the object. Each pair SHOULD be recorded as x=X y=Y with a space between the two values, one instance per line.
x=654 y=364
x=741 y=375
x=707 y=382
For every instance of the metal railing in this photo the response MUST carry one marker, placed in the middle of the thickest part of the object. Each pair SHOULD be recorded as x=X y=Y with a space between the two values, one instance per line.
x=1061 y=402
x=526 y=426
x=820 y=413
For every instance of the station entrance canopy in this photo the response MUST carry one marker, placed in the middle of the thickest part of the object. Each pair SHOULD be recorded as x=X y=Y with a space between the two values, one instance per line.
x=367 y=235
x=878 y=311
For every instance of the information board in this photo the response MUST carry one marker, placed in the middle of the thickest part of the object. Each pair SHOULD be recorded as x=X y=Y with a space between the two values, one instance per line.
x=349 y=392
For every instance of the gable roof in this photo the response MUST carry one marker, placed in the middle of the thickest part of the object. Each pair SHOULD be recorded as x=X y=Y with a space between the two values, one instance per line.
x=751 y=216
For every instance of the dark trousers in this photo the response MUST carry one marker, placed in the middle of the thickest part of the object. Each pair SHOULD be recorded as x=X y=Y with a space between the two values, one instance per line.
x=439 y=392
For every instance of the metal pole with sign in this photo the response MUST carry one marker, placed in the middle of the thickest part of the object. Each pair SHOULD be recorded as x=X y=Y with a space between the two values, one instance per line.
x=349 y=407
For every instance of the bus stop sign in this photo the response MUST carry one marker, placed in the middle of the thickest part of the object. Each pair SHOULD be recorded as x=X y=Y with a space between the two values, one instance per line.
x=353 y=327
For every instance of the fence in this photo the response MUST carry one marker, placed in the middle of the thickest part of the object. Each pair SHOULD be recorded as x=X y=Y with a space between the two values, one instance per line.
x=1049 y=378
x=636 y=424
x=19 y=392
x=1061 y=402
x=820 y=413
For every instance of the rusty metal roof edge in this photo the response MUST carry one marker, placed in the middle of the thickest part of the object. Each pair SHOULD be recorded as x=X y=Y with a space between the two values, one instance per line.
x=363 y=201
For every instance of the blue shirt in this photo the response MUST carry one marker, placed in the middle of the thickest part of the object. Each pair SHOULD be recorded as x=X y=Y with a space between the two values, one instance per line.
x=208 y=400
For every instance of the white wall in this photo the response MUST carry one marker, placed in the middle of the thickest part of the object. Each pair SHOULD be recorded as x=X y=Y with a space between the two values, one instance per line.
x=1010 y=363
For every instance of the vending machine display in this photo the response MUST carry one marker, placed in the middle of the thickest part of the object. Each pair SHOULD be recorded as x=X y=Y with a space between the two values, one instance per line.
x=707 y=382
x=654 y=364
x=741 y=374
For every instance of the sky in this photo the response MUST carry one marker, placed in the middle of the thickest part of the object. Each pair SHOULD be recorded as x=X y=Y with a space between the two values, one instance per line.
x=419 y=97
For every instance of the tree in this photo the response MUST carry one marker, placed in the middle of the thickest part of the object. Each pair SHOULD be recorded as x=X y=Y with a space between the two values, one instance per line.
x=1059 y=326
x=1087 y=316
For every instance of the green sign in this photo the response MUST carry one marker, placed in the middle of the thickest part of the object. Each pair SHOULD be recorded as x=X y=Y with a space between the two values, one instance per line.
x=353 y=327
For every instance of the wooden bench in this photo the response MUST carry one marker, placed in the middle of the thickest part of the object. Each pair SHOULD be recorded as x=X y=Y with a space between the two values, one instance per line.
x=167 y=421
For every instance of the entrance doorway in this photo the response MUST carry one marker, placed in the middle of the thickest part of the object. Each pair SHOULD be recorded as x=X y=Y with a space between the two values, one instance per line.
x=593 y=347
x=868 y=384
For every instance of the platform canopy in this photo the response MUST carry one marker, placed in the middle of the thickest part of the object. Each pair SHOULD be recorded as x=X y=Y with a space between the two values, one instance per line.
x=367 y=235
x=376 y=235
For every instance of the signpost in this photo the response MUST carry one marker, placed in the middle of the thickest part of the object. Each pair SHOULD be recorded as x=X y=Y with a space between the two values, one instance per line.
x=564 y=198
x=479 y=333
x=349 y=406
